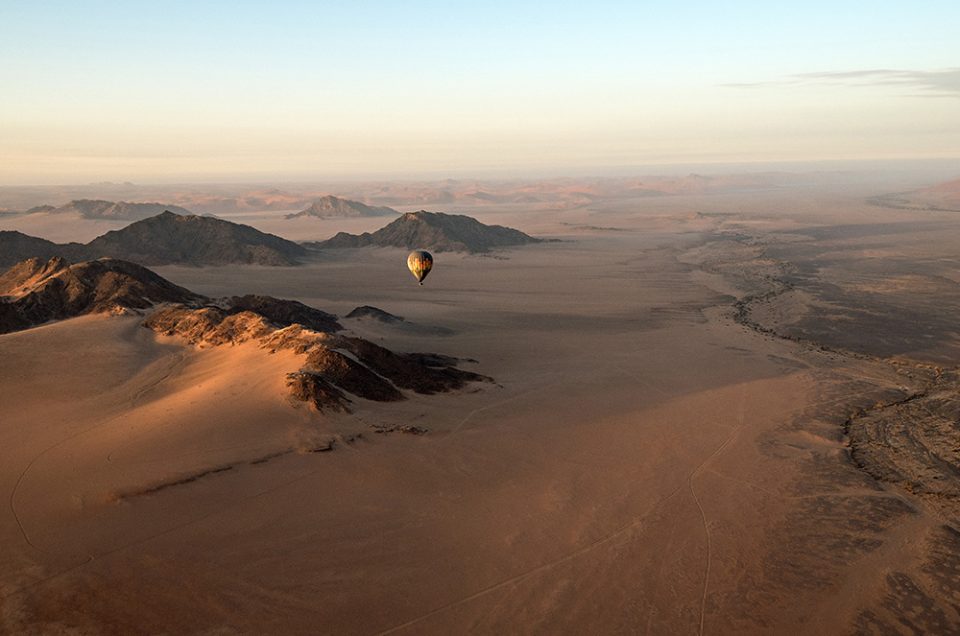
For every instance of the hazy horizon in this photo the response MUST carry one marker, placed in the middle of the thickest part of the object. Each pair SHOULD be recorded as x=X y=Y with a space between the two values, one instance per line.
x=307 y=92
x=924 y=170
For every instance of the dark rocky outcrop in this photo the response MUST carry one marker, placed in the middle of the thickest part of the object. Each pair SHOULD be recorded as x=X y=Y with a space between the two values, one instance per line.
x=366 y=315
x=313 y=388
x=374 y=313
x=350 y=375
x=329 y=207
x=409 y=371
x=434 y=231
x=37 y=291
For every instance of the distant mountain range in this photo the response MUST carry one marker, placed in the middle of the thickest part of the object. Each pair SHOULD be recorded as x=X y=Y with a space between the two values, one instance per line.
x=515 y=194
x=542 y=194
x=434 y=231
x=334 y=207
x=37 y=291
x=172 y=239
x=115 y=211
x=164 y=239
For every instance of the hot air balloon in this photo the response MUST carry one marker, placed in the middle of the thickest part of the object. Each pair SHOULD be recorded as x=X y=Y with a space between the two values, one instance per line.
x=420 y=263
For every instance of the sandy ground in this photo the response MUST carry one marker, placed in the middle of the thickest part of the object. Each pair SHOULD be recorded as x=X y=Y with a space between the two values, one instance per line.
x=644 y=464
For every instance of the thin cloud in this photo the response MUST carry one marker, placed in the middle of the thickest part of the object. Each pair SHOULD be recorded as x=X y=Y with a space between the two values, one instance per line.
x=939 y=83
x=847 y=75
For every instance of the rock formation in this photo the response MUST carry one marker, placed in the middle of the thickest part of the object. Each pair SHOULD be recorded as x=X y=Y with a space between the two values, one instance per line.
x=375 y=313
x=37 y=291
x=335 y=366
x=434 y=231
x=334 y=207
x=195 y=240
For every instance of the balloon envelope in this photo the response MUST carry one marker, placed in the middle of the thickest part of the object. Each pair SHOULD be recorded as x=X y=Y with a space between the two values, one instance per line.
x=420 y=263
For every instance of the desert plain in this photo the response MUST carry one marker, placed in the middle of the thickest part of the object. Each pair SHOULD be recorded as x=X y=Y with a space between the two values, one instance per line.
x=718 y=412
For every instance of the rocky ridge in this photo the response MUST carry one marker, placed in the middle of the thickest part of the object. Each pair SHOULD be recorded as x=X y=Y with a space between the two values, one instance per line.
x=336 y=366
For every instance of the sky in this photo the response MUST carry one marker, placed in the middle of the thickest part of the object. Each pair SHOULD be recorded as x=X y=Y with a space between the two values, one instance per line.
x=293 y=91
